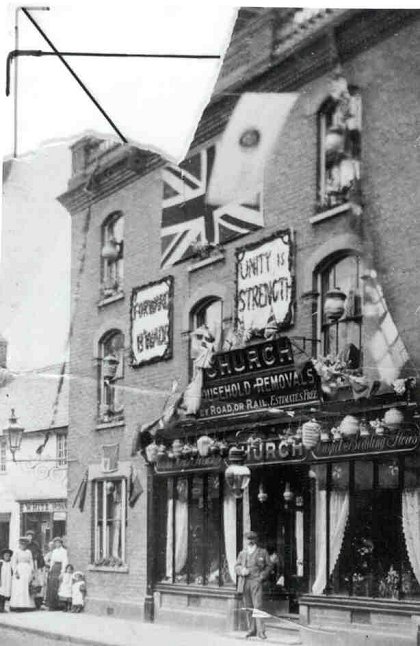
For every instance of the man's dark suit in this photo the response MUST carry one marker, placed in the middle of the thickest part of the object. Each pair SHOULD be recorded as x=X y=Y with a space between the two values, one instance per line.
x=259 y=565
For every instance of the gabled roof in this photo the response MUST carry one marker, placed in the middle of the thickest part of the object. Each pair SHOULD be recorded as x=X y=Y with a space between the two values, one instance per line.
x=32 y=395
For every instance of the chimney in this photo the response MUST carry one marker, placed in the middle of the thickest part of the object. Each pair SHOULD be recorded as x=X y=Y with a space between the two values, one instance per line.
x=3 y=352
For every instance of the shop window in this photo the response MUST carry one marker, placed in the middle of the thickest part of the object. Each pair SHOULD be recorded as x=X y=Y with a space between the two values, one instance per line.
x=110 y=518
x=3 y=455
x=339 y=136
x=197 y=531
x=111 y=372
x=374 y=541
x=61 y=450
x=342 y=338
x=112 y=255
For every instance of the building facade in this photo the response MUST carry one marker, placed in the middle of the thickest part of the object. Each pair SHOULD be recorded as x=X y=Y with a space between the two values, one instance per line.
x=33 y=482
x=308 y=295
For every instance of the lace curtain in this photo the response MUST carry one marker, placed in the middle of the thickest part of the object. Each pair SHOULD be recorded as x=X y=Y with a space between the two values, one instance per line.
x=411 y=527
x=181 y=536
x=339 y=512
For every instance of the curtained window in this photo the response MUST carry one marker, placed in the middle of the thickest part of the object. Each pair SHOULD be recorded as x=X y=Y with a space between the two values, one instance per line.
x=197 y=530
x=110 y=519
x=373 y=512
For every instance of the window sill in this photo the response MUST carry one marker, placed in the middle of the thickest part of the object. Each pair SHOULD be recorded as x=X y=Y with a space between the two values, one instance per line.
x=122 y=569
x=329 y=213
x=111 y=424
x=107 y=300
x=205 y=262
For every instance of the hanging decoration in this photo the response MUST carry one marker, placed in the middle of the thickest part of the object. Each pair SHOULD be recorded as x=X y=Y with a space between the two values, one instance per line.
x=237 y=475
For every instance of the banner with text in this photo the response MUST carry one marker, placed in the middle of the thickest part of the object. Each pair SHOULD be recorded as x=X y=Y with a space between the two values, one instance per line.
x=151 y=322
x=256 y=377
x=265 y=282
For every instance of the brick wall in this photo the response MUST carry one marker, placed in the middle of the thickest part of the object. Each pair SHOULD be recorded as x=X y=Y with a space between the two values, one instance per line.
x=388 y=232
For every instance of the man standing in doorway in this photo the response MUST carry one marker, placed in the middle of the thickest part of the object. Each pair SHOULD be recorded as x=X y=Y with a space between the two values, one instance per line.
x=253 y=567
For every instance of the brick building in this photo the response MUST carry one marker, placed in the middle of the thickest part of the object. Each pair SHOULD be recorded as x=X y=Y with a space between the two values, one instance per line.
x=339 y=202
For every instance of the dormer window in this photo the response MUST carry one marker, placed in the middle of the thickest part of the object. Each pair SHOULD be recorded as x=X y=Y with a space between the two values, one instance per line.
x=112 y=255
x=339 y=132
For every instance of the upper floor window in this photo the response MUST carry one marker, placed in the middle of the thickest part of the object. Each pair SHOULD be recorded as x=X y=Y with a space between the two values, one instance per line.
x=112 y=254
x=61 y=450
x=111 y=371
x=342 y=337
x=209 y=313
x=3 y=455
x=339 y=137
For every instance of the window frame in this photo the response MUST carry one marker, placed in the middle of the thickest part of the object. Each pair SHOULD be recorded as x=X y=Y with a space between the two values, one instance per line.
x=321 y=327
x=326 y=112
x=112 y=271
x=3 y=456
x=110 y=388
x=62 y=449
x=197 y=320
x=102 y=542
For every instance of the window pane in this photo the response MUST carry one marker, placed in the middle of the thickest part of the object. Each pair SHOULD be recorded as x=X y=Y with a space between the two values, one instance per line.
x=388 y=472
x=114 y=519
x=363 y=475
x=164 y=529
x=181 y=530
x=213 y=533
x=196 y=531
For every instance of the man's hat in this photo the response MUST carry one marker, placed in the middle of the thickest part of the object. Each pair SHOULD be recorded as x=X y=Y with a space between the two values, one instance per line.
x=23 y=539
x=251 y=536
x=6 y=550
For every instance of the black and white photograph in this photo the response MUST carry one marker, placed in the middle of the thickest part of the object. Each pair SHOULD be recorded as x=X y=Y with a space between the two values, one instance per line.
x=210 y=325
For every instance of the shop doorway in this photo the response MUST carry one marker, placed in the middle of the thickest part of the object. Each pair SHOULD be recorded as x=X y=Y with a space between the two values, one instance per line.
x=46 y=526
x=4 y=530
x=280 y=513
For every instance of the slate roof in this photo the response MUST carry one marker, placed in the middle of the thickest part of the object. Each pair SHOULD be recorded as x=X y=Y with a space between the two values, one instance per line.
x=32 y=395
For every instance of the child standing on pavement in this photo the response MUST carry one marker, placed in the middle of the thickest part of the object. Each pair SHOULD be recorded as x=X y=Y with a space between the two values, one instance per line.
x=65 y=589
x=78 y=592
x=5 y=577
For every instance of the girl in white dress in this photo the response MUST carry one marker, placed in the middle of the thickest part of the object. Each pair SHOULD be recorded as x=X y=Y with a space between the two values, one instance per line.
x=23 y=569
x=5 y=577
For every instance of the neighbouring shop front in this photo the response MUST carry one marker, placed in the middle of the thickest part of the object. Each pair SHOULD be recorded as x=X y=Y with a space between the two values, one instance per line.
x=332 y=488
x=47 y=518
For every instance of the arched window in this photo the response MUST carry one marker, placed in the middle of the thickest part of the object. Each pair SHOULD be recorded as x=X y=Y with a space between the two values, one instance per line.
x=210 y=313
x=339 y=139
x=342 y=337
x=111 y=372
x=112 y=254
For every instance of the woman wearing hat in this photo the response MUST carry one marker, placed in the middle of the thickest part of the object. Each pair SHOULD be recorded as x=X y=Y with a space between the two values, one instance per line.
x=58 y=564
x=39 y=563
x=5 y=577
x=23 y=569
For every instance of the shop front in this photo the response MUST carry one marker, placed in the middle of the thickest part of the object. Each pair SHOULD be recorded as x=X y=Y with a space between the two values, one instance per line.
x=47 y=518
x=332 y=491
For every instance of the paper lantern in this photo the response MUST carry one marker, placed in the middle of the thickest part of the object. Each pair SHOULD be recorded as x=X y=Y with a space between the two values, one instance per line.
x=334 y=304
x=237 y=475
x=203 y=445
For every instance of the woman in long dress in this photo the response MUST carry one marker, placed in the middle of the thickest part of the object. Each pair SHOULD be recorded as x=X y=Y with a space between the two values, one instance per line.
x=23 y=569
x=58 y=564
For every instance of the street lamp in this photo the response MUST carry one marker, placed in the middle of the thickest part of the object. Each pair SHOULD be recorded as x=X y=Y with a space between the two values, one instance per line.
x=237 y=475
x=14 y=433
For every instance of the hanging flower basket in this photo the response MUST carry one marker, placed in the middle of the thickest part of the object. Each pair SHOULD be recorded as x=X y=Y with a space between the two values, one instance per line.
x=311 y=432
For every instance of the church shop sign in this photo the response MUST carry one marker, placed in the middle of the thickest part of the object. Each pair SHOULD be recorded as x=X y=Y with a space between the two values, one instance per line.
x=151 y=322
x=254 y=378
x=265 y=282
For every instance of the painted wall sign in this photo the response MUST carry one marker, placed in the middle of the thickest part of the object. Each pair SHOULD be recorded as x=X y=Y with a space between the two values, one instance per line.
x=265 y=282
x=210 y=463
x=151 y=322
x=256 y=377
x=401 y=442
x=43 y=506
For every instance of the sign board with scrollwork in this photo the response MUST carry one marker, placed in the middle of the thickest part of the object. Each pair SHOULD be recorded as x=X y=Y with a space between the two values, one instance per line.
x=151 y=322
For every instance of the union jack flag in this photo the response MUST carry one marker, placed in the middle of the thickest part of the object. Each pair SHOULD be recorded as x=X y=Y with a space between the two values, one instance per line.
x=186 y=218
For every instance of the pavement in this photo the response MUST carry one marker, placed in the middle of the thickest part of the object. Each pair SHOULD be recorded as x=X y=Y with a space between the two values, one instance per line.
x=49 y=628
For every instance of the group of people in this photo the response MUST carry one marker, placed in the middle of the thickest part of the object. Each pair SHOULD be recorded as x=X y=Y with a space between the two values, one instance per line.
x=30 y=580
